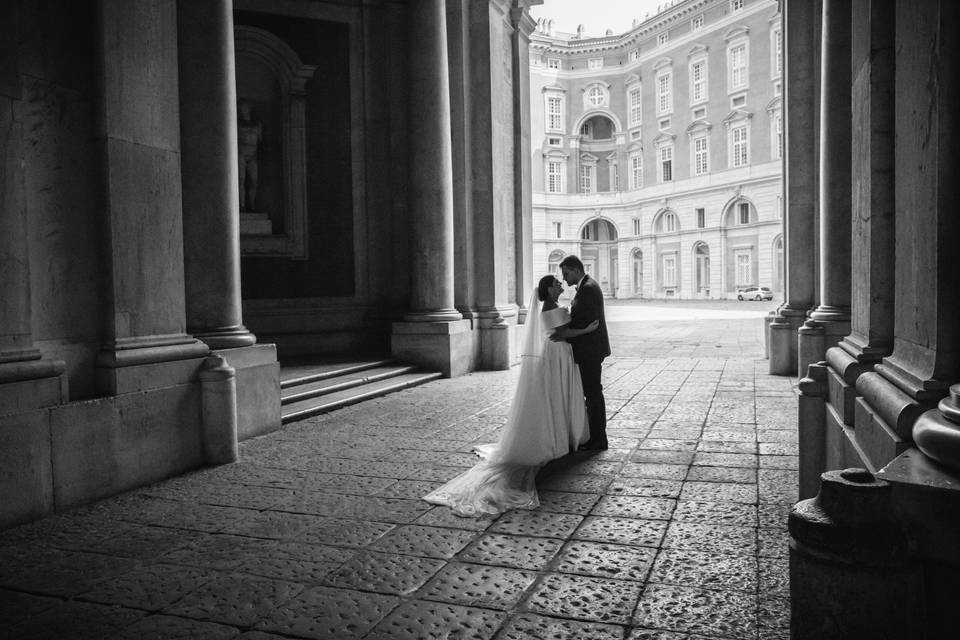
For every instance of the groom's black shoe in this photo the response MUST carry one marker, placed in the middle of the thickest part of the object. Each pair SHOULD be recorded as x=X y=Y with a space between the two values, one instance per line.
x=594 y=445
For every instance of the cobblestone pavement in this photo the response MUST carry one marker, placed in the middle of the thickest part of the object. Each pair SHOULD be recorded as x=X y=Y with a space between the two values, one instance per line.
x=678 y=531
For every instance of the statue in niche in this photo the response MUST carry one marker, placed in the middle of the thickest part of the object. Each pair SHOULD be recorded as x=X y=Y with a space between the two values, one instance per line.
x=249 y=136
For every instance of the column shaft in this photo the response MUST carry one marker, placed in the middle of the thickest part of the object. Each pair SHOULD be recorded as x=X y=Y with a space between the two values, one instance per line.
x=431 y=166
x=208 y=140
x=523 y=26
x=835 y=184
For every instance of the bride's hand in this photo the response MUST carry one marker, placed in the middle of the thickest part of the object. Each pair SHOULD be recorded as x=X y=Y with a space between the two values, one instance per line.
x=593 y=325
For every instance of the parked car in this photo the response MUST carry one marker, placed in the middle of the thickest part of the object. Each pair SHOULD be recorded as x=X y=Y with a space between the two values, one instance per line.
x=755 y=293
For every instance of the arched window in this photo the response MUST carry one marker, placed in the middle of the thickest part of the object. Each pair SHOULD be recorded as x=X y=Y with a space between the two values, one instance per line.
x=669 y=222
x=554 y=260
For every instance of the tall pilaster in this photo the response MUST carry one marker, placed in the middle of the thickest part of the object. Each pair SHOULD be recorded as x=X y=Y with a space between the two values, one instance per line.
x=27 y=380
x=800 y=179
x=431 y=166
x=523 y=26
x=208 y=159
x=835 y=183
x=139 y=131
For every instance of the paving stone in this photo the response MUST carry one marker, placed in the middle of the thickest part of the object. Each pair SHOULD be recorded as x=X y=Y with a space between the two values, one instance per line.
x=773 y=618
x=254 y=635
x=729 y=513
x=478 y=585
x=567 y=501
x=778 y=435
x=214 y=551
x=654 y=470
x=445 y=517
x=520 y=552
x=434 y=472
x=668 y=429
x=16 y=607
x=775 y=577
x=722 y=474
x=662 y=456
x=772 y=543
x=349 y=484
x=622 y=562
x=343 y=531
x=425 y=620
x=293 y=561
x=150 y=587
x=530 y=626
x=649 y=487
x=585 y=598
x=326 y=612
x=727 y=446
x=66 y=574
x=663 y=444
x=779 y=448
x=234 y=599
x=634 y=507
x=791 y=463
x=719 y=492
x=76 y=621
x=411 y=489
x=398 y=510
x=272 y=524
x=648 y=533
x=777 y=485
x=161 y=627
x=706 y=570
x=544 y=524
x=594 y=466
x=773 y=515
x=711 y=537
x=419 y=540
x=747 y=435
x=688 y=609
x=583 y=483
x=656 y=634
x=320 y=502
x=707 y=459
x=385 y=573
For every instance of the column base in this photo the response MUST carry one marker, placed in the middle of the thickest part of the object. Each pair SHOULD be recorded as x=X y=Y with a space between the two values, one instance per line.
x=136 y=364
x=447 y=347
x=225 y=337
x=258 y=388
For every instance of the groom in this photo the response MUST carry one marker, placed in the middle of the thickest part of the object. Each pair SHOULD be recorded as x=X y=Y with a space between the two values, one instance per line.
x=589 y=349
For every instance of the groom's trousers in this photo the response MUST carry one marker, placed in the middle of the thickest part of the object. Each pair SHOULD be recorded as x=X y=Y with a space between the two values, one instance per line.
x=593 y=394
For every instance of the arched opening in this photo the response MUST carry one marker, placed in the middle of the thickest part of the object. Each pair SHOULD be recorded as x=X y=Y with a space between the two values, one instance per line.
x=598 y=127
x=598 y=250
x=553 y=261
x=778 y=266
x=701 y=259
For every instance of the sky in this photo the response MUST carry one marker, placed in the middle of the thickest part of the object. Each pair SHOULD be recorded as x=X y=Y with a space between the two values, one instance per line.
x=596 y=16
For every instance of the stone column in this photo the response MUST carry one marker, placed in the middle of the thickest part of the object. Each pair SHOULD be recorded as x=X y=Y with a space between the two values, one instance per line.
x=835 y=181
x=431 y=166
x=139 y=133
x=208 y=160
x=27 y=380
x=523 y=26
x=434 y=333
x=800 y=91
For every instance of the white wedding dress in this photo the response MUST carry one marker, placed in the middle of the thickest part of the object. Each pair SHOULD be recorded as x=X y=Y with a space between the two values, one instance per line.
x=547 y=420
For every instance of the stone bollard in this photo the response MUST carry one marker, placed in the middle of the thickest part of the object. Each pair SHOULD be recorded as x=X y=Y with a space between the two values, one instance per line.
x=850 y=573
x=218 y=385
x=780 y=334
x=811 y=344
x=812 y=429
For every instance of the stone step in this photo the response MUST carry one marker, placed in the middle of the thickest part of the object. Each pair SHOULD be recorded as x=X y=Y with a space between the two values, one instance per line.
x=330 y=401
x=295 y=374
x=323 y=384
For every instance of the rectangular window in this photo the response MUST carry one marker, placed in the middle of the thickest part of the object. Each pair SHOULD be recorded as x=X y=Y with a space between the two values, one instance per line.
x=698 y=81
x=743 y=213
x=780 y=207
x=670 y=271
x=666 y=164
x=744 y=268
x=586 y=179
x=635 y=135
x=700 y=155
x=595 y=63
x=615 y=176
x=635 y=107
x=636 y=171
x=553 y=63
x=636 y=226
x=554 y=114
x=669 y=222
x=554 y=177
x=664 y=93
x=738 y=101
x=699 y=114
x=697 y=23
x=663 y=38
x=664 y=124
x=777 y=53
x=557 y=229
x=634 y=55
x=736 y=5
x=701 y=218
x=738 y=67
x=553 y=141
x=740 y=147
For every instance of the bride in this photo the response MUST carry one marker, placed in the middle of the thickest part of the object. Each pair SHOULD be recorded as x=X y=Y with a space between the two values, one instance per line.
x=547 y=418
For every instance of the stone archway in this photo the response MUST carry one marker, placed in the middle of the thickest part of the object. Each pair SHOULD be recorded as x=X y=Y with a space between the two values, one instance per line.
x=599 y=253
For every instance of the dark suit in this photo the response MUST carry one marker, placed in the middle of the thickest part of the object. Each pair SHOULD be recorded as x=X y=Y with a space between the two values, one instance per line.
x=589 y=350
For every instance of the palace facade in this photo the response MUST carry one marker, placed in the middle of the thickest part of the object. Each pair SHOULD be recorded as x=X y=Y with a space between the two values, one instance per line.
x=656 y=155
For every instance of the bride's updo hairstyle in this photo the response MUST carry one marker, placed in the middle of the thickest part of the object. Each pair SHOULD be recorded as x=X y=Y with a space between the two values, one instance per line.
x=543 y=288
